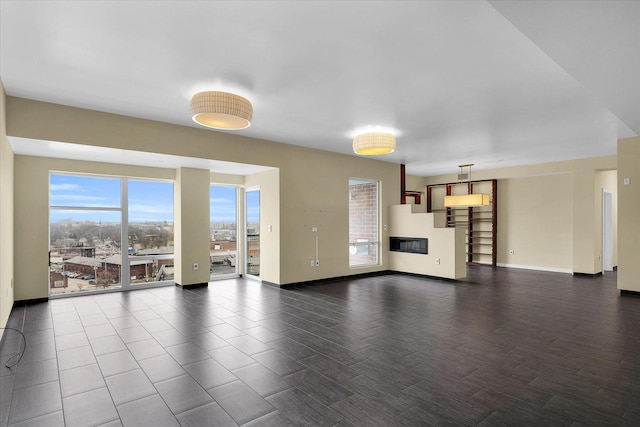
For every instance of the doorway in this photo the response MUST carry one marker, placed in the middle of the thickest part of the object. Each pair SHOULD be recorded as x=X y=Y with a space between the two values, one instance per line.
x=607 y=231
x=223 y=242
x=252 y=232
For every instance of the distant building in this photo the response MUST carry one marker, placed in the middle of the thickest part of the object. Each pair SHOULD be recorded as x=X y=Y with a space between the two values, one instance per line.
x=138 y=268
x=223 y=245
x=82 y=264
x=70 y=252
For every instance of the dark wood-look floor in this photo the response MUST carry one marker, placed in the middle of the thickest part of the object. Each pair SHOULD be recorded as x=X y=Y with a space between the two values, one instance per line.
x=503 y=347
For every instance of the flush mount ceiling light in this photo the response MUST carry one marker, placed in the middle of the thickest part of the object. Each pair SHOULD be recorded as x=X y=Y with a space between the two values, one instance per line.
x=470 y=199
x=374 y=144
x=221 y=110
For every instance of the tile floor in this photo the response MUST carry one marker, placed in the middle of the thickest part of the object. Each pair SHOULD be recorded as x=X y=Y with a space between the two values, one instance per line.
x=502 y=347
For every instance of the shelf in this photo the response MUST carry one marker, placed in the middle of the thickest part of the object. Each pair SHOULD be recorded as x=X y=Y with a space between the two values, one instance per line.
x=472 y=219
x=415 y=194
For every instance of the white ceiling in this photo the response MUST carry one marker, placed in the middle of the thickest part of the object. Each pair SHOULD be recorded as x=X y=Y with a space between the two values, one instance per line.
x=497 y=83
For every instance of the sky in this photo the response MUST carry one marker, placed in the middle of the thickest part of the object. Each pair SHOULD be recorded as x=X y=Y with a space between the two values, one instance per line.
x=222 y=203
x=253 y=206
x=149 y=201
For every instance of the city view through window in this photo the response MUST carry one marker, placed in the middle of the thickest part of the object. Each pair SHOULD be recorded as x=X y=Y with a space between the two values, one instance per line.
x=223 y=230
x=86 y=232
x=253 y=232
x=85 y=216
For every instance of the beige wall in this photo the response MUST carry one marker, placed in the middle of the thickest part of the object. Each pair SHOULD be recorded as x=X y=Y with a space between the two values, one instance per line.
x=415 y=183
x=535 y=221
x=191 y=226
x=629 y=214
x=584 y=220
x=314 y=193
x=313 y=184
x=31 y=209
x=585 y=202
x=445 y=244
x=227 y=179
x=6 y=217
x=269 y=184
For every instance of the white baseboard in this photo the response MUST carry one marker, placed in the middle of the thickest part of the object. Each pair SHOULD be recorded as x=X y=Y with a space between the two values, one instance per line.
x=533 y=267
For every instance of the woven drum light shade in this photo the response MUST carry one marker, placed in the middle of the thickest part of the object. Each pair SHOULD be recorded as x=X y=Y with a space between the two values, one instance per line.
x=374 y=144
x=221 y=110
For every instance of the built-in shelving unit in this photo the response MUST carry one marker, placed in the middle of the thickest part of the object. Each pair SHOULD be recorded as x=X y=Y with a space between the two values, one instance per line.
x=479 y=222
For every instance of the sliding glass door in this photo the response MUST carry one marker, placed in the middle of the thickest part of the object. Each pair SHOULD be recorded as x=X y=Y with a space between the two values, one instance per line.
x=252 y=232
x=223 y=231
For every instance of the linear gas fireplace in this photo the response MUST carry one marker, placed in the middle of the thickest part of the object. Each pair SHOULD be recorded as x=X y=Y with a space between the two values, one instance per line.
x=415 y=245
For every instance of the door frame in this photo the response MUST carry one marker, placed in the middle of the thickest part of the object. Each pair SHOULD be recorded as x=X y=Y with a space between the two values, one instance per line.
x=245 y=263
x=607 y=230
x=239 y=232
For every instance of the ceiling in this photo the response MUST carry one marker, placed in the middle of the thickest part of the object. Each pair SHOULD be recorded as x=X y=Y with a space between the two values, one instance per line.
x=498 y=83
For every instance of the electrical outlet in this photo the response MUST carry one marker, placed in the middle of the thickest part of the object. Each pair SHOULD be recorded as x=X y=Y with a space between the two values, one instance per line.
x=314 y=229
x=195 y=266
x=512 y=252
x=317 y=263
x=312 y=264
x=437 y=261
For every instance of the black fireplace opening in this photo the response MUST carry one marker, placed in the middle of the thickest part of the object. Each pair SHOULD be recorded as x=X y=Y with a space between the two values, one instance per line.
x=414 y=245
